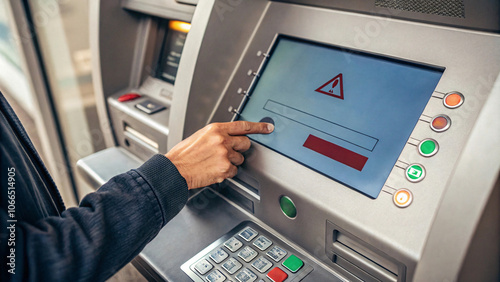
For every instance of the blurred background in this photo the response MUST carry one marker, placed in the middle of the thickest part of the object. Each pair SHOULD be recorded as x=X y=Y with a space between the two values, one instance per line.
x=45 y=73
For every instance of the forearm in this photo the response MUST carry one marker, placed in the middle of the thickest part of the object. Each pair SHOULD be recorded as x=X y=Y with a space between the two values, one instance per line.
x=108 y=230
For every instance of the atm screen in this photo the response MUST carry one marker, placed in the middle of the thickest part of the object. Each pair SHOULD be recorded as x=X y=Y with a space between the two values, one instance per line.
x=343 y=113
x=172 y=50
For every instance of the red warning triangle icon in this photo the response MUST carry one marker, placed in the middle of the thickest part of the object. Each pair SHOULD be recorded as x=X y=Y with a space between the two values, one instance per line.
x=334 y=87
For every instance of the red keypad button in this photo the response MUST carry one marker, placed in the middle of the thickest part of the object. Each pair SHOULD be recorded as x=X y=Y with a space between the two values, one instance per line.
x=277 y=275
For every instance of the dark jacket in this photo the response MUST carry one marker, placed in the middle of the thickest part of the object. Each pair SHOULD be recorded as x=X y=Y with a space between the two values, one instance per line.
x=40 y=240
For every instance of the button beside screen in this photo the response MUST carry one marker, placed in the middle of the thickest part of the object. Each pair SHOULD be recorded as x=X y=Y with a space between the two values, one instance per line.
x=453 y=100
x=428 y=147
x=415 y=172
x=440 y=123
x=402 y=198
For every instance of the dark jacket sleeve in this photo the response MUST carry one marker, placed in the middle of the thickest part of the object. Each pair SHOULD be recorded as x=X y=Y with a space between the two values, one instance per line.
x=107 y=230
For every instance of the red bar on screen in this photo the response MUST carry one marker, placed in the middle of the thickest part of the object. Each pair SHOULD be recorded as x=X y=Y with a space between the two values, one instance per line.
x=336 y=152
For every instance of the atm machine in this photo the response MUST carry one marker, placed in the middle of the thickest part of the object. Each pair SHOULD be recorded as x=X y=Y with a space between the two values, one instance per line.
x=384 y=163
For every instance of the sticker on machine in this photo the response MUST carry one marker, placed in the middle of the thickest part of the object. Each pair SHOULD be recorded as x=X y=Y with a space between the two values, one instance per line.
x=333 y=87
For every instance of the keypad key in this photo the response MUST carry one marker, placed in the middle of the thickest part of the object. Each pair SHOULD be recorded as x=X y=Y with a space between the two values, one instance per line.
x=233 y=244
x=276 y=253
x=246 y=275
x=203 y=266
x=248 y=234
x=293 y=263
x=218 y=255
x=262 y=264
x=215 y=276
x=262 y=243
x=277 y=275
x=232 y=265
x=247 y=254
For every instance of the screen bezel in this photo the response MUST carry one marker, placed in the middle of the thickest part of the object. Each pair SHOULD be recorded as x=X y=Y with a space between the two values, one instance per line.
x=268 y=56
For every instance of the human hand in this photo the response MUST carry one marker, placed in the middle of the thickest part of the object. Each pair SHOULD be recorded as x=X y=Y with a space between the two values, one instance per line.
x=212 y=153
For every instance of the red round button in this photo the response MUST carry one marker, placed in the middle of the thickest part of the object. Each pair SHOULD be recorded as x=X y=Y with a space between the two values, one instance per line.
x=440 y=123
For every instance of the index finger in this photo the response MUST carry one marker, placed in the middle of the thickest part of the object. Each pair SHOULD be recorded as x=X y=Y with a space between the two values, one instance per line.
x=246 y=127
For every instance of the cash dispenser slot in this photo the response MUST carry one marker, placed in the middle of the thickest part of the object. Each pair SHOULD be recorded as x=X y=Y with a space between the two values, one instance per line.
x=140 y=138
x=360 y=260
x=361 y=266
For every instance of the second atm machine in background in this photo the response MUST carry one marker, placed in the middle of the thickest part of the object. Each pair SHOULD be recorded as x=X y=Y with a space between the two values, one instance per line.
x=138 y=46
x=384 y=162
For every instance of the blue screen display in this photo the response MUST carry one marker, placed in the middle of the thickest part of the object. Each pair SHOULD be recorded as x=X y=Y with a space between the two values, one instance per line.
x=342 y=113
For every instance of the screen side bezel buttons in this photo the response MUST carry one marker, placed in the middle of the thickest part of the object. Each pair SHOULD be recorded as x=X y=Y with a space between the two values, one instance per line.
x=446 y=127
x=436 y=149
x=406 y=203
x=409 y=170
x=460 y=103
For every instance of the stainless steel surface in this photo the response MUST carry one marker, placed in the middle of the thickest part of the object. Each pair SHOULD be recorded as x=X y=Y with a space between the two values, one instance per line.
x=481 y=15
x=151 y=130
x=399 y=233
x=181 y=10
x=465 y=198
x=302 y=275
x=113 y=39
x=206 y=218
x=211 y=26
x=100 y=167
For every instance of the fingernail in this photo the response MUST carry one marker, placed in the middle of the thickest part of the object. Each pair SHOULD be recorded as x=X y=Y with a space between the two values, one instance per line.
x=270 y=127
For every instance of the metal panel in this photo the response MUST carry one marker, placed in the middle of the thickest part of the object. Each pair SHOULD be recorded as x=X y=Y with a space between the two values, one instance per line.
x=206 y=218
x=221 y=48
x=162 y=8
x=465 y=198
x=472 y=14
x=213 y=28
x=100 y=167
x=470 y=60
x=112 y=54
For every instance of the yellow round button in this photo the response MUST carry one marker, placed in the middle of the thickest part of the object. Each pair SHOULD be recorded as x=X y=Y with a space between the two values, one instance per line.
x=402 y=198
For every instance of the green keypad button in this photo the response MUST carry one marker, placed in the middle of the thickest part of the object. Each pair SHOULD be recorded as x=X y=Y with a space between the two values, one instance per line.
x=293 y=263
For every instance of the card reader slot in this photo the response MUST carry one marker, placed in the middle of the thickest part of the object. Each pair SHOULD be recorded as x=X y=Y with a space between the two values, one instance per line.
x=240 y=193
x=140 y=138
x=238 y=198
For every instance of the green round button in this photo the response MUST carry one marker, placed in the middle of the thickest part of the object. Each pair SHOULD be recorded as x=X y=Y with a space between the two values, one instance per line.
x=415 y=172
x=428 y=147
x=288 y=207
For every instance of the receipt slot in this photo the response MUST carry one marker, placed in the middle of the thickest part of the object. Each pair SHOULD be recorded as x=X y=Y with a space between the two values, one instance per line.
x=383 y=165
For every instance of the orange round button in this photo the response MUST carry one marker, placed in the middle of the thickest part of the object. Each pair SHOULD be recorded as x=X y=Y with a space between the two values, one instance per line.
x=402 y=198
x=440 y=123
x=453 y=100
